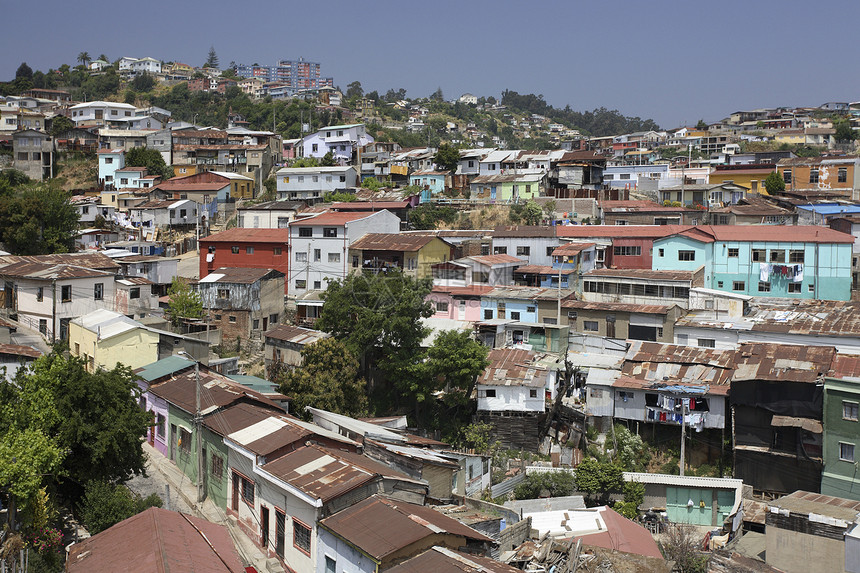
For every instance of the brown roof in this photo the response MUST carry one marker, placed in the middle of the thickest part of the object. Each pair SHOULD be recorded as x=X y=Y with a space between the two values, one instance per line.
x=619 y=231
x=392 y=242
x=785 y=234
x=643 y=274
x=236 y=417
x=652 y=364
x=638 y=207
x=523 y=231
x=50 y=271
x=805 y=503
x=491 y=260
x=571 y=249
x=845 y=366
x=471 y=290
x=174 y=185
x=543 y=270
x=297 y=334
x=369 y=205
x=239 y=235
x=443 y=560
x=616 y=306
x=83 y=259
x=216 y=392
x=783 y=362
x=18 y=350
x=335 y=218
x=157 y=540
x=380 y=527
x=512 y=367
x=623 y=535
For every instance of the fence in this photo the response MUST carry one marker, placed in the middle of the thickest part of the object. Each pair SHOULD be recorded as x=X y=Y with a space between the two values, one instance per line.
x=507 y=486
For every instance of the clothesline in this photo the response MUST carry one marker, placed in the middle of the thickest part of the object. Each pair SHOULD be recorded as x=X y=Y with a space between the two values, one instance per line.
x=792 y=272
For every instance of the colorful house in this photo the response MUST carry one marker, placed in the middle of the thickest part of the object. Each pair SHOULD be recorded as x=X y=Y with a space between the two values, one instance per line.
x=413 y=254
x=432 y=183
x=107 y=338
x=798 y=262
x=508 y=187
x=841 y=429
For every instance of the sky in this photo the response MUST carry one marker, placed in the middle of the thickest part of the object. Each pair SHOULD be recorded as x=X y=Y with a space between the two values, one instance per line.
x=672 y=61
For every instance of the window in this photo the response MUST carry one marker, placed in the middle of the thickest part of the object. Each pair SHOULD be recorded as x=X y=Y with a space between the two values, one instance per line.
x=43 y=326
x=500 y=250
x=758 y=255
x=763 y=287
x=530 y=309
x=232 y=319
x=849 y=411
x=330 y=565
x=40 y=294
x=796 y=256
x=301 y=284
x=627 y=251
x=532 y=392
x=813 y=175
x=66 y=293
x=317 y=255
x=317 y=285
x=246 y=488
x=795 y=288
x=786 y=175
x=334 y=257
x=734 y=252
x=217 y=466
x=234 y=250
x=812 y=288
x=134 y=292
x=590 y=325
x=249 y=250
x=98 y=291
x=276 y=251
x=316 y=178
x=329 y=232
x=846 y=452
x=218 y=317
x=549 y=251
x=160 y=423
x=184 y=441
x=719 y=284
x=442 y=306
x=515 y=315
x=661 y=252
x=707 y=342
x=301 y=536
x=777 y=256
x=306 y=232
x=842 y=175
x=488 y=314
x=686 y=255
x=571 y=314
x=523 y=251
x=301 y=257
x=255 y=325
x=343 y=178
x=490 y=393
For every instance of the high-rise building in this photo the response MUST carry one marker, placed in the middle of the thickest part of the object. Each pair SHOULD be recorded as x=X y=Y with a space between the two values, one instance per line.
x=296 y=74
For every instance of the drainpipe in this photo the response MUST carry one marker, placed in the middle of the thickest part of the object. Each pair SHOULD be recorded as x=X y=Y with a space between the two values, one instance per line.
x=54 y=311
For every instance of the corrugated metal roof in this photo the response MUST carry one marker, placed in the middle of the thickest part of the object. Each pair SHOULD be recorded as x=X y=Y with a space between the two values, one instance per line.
x=805 y=503
x=443 y=560
x=296 y=334
x=19 y=350
x=571 y=249
x=642 y=274
x=543 y=270
x=335 y=218
x=164 y=367
x=236 y=275
x=523 y=231
x=619 y=231
x=48 y=271
x=513 y=367
x=392 y=242
x=616 y=306
x=491 y=260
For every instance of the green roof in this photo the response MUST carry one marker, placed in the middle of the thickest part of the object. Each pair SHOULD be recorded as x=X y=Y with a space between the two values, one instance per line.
x=164 y=367
x=254 y=382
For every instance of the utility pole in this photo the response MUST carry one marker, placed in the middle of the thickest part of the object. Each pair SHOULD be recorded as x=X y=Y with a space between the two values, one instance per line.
x=198 y=429
x=683 y=430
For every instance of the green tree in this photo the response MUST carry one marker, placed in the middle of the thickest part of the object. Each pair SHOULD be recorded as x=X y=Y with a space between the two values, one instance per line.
x=328 y=379
x=327 y=160
x=528 y=213
x=844 y=133
x=339 y=197
x=774 y=183
x=151 y=159
x=271 y=186
x=354 y=90
x=84 y=58
x=429 y=216
x=453 y=364
x=447 y=157
x=143 y=82
x=701 y=125
x=61 y=124
x=548 y=484
x=105 y=504
x=634 y=495
x=211 y=59
x=24 y=72
x=549 y=209
x=371 y=183
x=184 y=302
x=477 y=437
x=598 y=480
x=38 y=219
x=437 y=95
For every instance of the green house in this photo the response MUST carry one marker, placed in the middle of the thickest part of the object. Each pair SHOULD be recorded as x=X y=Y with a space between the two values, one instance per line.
x=841 y=476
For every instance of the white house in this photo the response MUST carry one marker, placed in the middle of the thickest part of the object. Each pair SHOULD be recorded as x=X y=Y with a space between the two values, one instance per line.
x=146 y=65
x=180 y=214
x=109 y=161
x=139 y=122
x=343 y=141
x=468 y=99
x=126 y=63
x=134 y=178
x=88 y=209
x=319 y=245
x=512 y=383
x=100 y=112
x=268 y=215
x=535 y=244
x=312 y=183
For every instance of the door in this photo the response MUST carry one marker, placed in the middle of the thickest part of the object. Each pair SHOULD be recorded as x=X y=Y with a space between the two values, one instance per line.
x=235 y=493
x=265 y=324
x=493 y=193
x=280 y=528
x=203 y=465
x=264 y=527
x=461 y=310
x=173 y=436
x=152 y=428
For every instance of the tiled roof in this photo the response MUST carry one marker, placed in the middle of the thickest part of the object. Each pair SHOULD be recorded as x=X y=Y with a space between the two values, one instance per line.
x=619 y=231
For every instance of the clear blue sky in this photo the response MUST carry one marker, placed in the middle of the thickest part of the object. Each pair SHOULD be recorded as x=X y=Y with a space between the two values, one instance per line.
x=674 y=61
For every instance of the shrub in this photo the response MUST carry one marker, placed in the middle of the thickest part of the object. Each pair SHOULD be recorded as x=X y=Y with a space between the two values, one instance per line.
x=106 y=504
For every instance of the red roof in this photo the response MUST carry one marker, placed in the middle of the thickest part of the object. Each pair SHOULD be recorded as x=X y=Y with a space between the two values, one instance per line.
x=619 y=231
x=623 y=535
x=369 y=205
x=769 y=233
x=238 y=235
x=496 y=259
x=336 y=218
x=571 y=249
x=472 y=290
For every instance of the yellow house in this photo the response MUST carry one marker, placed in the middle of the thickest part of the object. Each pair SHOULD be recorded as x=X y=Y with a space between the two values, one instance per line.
x=413 y=254
x=790 y=136
x=103 y=338
x=750 y=176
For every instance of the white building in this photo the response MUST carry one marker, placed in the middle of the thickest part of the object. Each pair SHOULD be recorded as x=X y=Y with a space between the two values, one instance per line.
x=319 y=245
x=165 y=214
x=268 y=215
x=511 y=383
x=146 y=65
x=312 y=183
x=343 y=141
x=100 y=112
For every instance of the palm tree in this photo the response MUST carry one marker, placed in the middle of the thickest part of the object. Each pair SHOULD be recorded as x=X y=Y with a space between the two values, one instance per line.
x=84 y=58
x=104 y=58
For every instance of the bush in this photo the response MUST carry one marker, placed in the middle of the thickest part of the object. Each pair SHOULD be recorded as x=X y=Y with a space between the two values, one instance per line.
x=106 y=504
x=598 y=480
x=556 y=484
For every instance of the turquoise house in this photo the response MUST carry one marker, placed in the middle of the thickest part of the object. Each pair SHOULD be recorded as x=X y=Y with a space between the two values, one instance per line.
x=432 y=183
x=808 y=262
x=698 y=505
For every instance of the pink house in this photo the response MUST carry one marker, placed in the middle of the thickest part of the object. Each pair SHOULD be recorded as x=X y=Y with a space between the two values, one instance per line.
x=458 y=303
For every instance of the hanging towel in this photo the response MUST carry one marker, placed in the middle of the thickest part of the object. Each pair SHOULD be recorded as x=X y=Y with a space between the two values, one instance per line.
x=798 y=273
x=764 y=271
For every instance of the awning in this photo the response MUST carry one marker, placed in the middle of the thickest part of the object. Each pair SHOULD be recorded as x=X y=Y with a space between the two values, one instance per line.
x=807 y=424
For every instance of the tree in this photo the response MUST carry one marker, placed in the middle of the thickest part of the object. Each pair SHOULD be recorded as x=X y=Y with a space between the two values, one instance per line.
x=38 y=219
x=528 y=213
x=454 y=362
x=549 y=484
x=327 y=160
x=549 y=209
x=437 y=95
x=429 y=216
x=61 y=124
x=105 y=504
x=844 y=133
x=104 y=58
x=184 y=302
x=328 y=379
x=372 y=183
x=598 y=480
x=447 y=157
x=211 y=59
x=84 y=58
x=634 y=495
x=701 y=125
x=151 y=159
x=354 y=90
x=24 y=72
x=143 y=82
x=680 y=544
x=774 y=184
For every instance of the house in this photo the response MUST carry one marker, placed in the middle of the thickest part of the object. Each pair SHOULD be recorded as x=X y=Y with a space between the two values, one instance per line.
x=210 y=190
x=33 y=153
x=701 y=196
x=810 y=262
x=343 y=141
x=509 y=187
x=89 y=209
x=753 y=211
x=158 y=270
x=837 y=176
x=613 y=320
x=641 y=286
x=100 y=113
x=418 y=463
x=243 y=302
x=620 y=246
x=851 y=225
x=443 y=560
x=268 y=215
x=284 y=344
x=16 y=356
x=146 y=65
x=134 y=178
x=533 y=243
x=245 y=248
x=806 y=527
x=412 y=254
x=312 y=183
x=180 y=215
x=319 y=245
x=281 y=502
x=493 y=270
x=646 y=213
x=153 y=539
x=104 y=338
x=776 y=400
x=840 y=423
x=146 y=375
x=432 y=183
x=378 y=533
x=752 y=176
x=135 y=296
x=122 y=137
x=458 y=303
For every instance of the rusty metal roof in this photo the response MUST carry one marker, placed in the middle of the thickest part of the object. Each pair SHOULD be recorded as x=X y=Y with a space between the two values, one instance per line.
x=543 y=270
x=296 y=334
x=49 y=271
x=392 y=242
x=783 y=362
x=653 y=364
x=523 y=231
x=491 y=260
x=90 y=260
x=513 y=367
x=19 y=350
x=216 y=392
x=571 y=249
x=616 y=306
x=642 y=274
x=443 y=560
x=619 y=231
x=380 y=527
x=157 y=541
x=804 y=503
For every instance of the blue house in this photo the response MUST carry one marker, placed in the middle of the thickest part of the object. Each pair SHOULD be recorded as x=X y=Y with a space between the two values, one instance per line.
x=790 y=262
x=432 y=183
x=569 y=262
